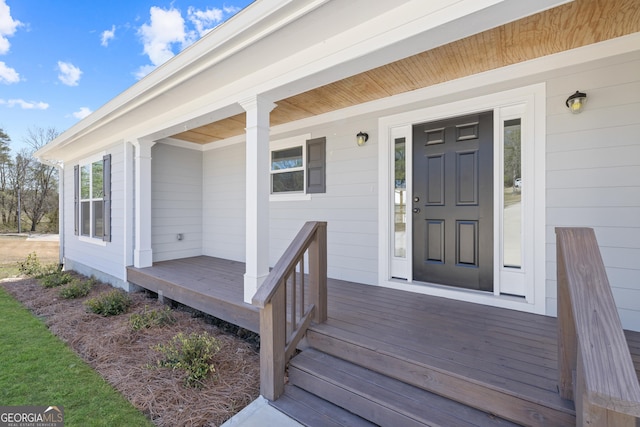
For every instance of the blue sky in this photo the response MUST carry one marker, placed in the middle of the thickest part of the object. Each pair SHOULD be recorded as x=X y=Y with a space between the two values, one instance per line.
x=62 y=59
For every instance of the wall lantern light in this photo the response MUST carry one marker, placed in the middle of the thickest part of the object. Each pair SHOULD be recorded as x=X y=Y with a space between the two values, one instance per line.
x=576 y=102
x=362 y=138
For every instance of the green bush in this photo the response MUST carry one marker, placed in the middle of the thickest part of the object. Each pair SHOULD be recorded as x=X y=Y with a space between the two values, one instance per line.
x=77 y=289
x=109 y=303
x=148 y=319
x=32 y=267
x=192 y=353
x=53 y=280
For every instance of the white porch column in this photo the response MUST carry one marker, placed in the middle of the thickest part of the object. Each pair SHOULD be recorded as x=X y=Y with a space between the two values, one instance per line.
x=257 y=194
x=142 y=254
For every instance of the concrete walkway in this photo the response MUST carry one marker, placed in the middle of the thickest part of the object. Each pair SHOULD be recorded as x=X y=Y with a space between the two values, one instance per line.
x=43 y=237
x=260 y=414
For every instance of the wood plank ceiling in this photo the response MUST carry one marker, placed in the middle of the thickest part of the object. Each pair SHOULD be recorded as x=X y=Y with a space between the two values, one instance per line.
x=569 y=26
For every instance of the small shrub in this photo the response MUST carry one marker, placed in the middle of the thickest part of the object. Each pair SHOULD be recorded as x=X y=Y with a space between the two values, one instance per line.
x=192 y=353
x=77 y=289
x=109 y=303
x=53 y=280
x=148 y=319
x=31 y=267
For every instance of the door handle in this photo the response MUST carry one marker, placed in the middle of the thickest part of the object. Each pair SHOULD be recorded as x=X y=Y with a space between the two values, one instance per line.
x=416 y=210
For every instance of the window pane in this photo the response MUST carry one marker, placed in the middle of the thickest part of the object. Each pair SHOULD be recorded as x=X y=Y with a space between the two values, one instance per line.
x=85 y=218
x=513 y=187
x=85 y=182
x=400 y=200
x=98 y=219
x=96 y=169
x=287 y=182
x=286 y=159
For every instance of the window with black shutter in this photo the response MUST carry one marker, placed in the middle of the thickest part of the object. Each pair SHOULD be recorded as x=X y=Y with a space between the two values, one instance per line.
x=92 y=199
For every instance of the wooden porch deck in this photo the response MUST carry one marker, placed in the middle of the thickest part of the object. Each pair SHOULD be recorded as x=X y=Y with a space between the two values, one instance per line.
x=447 y=347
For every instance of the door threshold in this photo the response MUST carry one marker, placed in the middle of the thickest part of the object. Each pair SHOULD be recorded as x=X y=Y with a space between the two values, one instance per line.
x=512 y=302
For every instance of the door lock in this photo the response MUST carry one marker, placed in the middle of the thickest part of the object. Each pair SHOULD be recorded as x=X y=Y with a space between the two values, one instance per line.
x=416 y=199
x=416 y=210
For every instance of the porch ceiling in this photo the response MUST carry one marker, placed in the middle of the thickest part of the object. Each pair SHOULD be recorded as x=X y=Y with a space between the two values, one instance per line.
x=565 y=27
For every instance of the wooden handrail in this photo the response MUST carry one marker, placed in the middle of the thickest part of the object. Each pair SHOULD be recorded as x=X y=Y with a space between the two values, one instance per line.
x=595 y=368
x=285 y=311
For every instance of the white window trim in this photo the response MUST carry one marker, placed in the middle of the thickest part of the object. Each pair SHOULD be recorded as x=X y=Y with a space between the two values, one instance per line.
x=83 y=162
x=281 y=144
x=397 y=125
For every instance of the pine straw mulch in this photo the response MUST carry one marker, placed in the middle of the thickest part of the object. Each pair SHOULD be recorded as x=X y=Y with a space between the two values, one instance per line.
x=123 y=356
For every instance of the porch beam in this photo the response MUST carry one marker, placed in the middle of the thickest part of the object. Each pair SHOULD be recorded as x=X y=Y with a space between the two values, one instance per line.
x=257 y=194
x=143 y=254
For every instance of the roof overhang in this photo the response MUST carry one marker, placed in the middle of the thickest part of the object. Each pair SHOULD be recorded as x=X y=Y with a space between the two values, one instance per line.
x=278 y=49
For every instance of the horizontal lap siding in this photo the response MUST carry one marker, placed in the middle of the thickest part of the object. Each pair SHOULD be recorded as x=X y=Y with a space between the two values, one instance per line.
x=107 y=259
x=224 y=203
x=593 y=173
x=176 y=202
x=349 y=204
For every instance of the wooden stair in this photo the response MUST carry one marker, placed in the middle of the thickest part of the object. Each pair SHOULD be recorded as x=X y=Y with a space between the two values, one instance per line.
x=369 y=379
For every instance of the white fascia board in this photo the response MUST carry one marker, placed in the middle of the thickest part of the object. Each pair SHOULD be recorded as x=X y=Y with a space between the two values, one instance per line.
x=237 y=33
x=412 y=27
x=422 y=25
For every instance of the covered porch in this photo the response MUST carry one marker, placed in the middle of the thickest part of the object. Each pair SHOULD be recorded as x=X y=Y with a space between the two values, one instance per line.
x=502 y=362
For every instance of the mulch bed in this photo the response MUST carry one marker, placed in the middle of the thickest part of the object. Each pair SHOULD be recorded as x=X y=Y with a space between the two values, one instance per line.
x=123 y=356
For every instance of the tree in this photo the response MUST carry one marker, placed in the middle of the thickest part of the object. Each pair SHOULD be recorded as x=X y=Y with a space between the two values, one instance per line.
x=5 y=169
x=38 y=193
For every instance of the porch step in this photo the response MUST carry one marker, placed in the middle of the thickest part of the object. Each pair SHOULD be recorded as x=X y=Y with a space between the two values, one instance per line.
x=310 y=410
x=437 y=373
x=377 y=398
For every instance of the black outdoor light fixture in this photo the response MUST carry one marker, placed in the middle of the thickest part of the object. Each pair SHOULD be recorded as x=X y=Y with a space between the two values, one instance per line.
x=362 y=138
x=576 y=102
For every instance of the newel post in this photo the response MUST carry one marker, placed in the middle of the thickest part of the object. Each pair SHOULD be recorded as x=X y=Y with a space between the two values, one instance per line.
x=272 y=344
x=567 y=340
x=318 y=272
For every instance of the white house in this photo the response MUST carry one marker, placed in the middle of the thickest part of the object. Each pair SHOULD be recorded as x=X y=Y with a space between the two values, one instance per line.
x=228 y=148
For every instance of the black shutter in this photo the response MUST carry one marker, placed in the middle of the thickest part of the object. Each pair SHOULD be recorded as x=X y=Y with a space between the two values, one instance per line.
x=76 y=200
x=316 y=165
x=106 y=188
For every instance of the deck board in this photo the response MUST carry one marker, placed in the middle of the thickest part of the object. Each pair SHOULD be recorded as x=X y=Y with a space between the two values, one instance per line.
x=211 y=285
x=513 y=350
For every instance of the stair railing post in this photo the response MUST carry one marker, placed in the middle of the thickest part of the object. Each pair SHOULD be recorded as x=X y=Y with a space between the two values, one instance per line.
x=567 y=340
x=318 y=273
x=272 y=346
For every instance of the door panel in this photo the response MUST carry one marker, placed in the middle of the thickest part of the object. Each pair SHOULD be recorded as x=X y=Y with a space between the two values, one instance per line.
x=453 y=202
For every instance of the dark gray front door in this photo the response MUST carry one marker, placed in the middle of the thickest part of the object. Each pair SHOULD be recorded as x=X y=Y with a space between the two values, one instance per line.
x=453 y=202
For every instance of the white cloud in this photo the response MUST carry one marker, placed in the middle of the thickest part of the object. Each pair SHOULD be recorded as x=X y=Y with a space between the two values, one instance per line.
x=8 y=75
x=205 y=20
x=8 y=26
x=25 y=105
x=165 y=30
x=143 y=71
x=108 y=35
x=69 y=73
x=82 y=113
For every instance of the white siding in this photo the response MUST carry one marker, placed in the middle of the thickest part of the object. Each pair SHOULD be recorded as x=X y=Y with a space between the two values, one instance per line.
x=176 y=186
x=224 y=203
x=102 y=259
x=349 y=204
x=593 y=173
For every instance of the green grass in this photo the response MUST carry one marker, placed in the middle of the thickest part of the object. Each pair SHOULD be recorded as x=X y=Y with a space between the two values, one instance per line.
x=39 y=369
